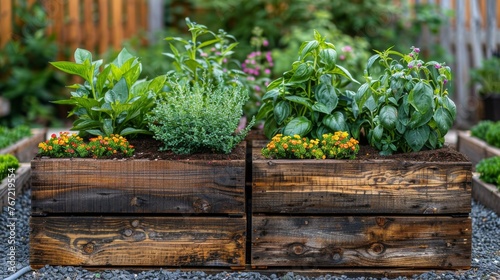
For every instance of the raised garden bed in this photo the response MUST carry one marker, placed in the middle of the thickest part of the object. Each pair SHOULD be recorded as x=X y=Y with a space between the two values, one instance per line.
x=15 y=186
x=474 y=148
x=25 y=149
x=487 y=194
x=364 y=214
x=138 y=212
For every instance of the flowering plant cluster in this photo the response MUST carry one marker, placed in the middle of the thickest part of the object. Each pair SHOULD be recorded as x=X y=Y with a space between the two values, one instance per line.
x=333 y=146
x=72 y=145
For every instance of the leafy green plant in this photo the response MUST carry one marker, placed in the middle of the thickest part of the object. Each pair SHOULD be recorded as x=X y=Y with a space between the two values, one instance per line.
x=307 y=100
x=481 y=129
x=405 y=103
x=487 y=76
x=489 y=170
x=71 y=145
x=206 y=56
x=493 y=135
x=334 y=146
x=9 y=136
x=8 y=163
x=111 y=101
x=199 y=118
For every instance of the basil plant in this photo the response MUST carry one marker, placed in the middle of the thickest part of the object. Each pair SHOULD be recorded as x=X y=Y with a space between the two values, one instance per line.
x=112 y=99
x=311 y=99
x=404 y=102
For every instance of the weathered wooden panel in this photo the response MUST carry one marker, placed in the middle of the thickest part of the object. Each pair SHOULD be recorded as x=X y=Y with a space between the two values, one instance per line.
x=137 y=241
x=359 y=186
x=138 y=186
x=487 y=194
x=474 y=148
x=13 y=187
x=361 y=241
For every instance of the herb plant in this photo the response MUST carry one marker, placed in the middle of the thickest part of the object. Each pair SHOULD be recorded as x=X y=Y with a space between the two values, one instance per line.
x=199 y=118
x=405 y=103
x=308 y=99
x=487 y=76
x=493 y=135
x=489 y=170
x=7 y=163
x=9 y=136
x=111 y=101
x=334 y=146
x=206 y=56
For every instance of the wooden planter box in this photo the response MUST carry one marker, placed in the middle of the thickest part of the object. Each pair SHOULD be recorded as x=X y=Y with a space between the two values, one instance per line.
x=25 y=149
x=125 y=213
x=487 y=194
x=360 y=214
x=474 y=148
x=20 y=182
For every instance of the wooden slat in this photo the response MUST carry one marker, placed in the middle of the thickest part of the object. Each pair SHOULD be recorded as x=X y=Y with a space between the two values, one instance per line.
x=117 y=35
x=137 y=241
x=355 y=186
x=361 y=241
x=104 y=33
x=27 y=148
x=131 y=27
x=5 y=22
x=89 y=28
x=138 y=186
x=73 y=28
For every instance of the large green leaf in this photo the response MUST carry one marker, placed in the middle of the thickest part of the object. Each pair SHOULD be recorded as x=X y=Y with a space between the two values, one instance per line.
x=421 y=98
x=300 y=100
x=264 y=110
x=328 y=57
x=302 y=73
x=417 y=137
x=326 y=95
x=107 y=126
x=336 y=122
x=119 y=93
x=443 y=119
x=72 y=68
x=130 y=130
x=270 y=127
x=282 y=111
x=81 y=55
x=418 y=119
x=122 y=57
x=308 y=47
x=299 y=125
x=388 y=116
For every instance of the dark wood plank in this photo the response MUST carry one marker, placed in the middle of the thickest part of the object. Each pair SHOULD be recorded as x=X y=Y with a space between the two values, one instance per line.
x=137 y=241
x=360 y=186
x=361 y=241
x=138 y=186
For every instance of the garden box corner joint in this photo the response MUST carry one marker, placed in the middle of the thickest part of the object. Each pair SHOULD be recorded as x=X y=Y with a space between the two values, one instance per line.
x=326 y=214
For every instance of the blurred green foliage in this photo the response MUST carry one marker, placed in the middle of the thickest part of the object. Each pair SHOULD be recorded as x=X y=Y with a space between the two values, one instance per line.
x=26 y=79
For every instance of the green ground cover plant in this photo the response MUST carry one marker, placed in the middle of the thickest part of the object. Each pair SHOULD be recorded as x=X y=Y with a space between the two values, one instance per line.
x=489 y=170
x=8 y=163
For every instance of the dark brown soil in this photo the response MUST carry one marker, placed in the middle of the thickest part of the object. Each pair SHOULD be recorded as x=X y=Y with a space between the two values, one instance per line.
x=148 y=148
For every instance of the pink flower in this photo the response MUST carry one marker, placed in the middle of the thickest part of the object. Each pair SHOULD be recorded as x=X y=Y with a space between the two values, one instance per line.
x=267 y=71
x=347 y=48
x=342 y=57
x=265 y=43
x=437 y=66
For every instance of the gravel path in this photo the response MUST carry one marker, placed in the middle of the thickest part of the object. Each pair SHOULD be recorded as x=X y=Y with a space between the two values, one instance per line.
x=485 y=254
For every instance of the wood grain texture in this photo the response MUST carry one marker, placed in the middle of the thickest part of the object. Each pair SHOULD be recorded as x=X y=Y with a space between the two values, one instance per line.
x=359 y=186
x=138 y=186
x=361 y=241
x=137 y=241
